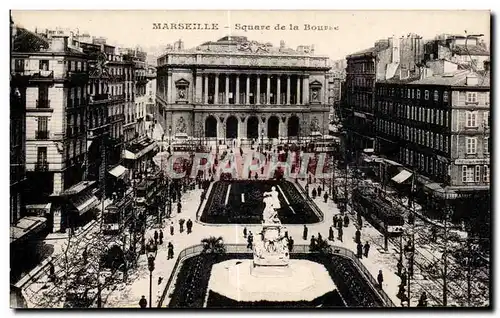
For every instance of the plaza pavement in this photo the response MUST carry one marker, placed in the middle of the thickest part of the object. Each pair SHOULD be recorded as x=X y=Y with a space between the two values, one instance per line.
x=129 y=295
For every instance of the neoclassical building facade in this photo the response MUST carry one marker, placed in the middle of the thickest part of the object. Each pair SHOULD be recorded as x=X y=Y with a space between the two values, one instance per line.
x=239 y=89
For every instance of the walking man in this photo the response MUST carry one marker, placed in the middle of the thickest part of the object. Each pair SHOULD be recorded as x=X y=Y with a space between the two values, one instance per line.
x=330 y=234
x=143 y=302
x=341 y=233
x=161 y=237
x=290 y=244
x=245 y=232
x=304 y=233
x=366 y=249
x=179 y=206
x=346 y=220
x=312 y=245
x=380 y=278
x=156 y=237
x=359 y=249
x=250 y=240
x=189 y=226
x=170 y=250
x=325 y=197
x=171 y=228
x=357 y=237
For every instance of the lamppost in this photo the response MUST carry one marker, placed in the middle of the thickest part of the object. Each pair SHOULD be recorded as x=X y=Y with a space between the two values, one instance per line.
x=262 y=139
x=447 y=196
x=169 y=136
x=151 y=267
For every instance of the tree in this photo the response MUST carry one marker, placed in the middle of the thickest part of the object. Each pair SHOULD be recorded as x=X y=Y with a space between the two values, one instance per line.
x=213 y=245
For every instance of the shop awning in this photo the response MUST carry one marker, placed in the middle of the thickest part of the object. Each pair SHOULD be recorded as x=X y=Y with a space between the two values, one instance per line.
x=118 y=171
x=26 y=225
x=402 y=176
x=84 y=203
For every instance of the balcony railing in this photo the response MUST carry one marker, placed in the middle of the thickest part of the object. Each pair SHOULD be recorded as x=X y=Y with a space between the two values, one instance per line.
x=41 y=165
x=36 y=74
x=42 y=134
x=97 y=98
x=43 y=103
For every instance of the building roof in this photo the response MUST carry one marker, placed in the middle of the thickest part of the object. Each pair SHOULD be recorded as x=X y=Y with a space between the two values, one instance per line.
x=28 y=42
x=362 y=52
x=470 y=50
x=458 y=78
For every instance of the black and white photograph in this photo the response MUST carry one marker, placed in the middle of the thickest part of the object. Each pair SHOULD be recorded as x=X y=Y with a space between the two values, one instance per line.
x=239 y=159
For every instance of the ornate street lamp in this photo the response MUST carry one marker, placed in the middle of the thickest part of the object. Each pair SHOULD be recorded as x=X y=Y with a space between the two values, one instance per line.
x=151 y=267
x=447 y=196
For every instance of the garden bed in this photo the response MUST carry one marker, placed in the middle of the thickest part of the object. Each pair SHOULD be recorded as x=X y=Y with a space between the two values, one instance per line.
x=192 y=283
x=248 y=209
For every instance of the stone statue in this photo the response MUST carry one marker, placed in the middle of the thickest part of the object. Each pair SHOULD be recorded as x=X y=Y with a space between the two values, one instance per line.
x=315 y=124
x=270 y=215
x=315 y=95
x=181 y=125
x=182 y=93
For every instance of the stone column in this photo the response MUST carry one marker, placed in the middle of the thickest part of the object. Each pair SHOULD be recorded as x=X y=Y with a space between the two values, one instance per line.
x=237 y=98
x=170 y=91
x=258 y=89
x=216 y=94
x=227 y=90
x=199 y=88
x=288 y=97
x=305 y=90
x=206 y=89
x=247 y=94
x=278 y=90
x=298 y=90
x=268 y=90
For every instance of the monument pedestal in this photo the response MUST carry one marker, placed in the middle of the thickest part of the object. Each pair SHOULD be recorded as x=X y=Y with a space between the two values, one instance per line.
x=271 y=249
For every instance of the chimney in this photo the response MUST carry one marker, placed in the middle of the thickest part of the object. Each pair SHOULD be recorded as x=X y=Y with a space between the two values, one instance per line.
x=471 y=80
x=59 y=43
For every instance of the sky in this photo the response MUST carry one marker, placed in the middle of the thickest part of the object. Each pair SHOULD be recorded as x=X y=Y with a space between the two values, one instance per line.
x=346 y=31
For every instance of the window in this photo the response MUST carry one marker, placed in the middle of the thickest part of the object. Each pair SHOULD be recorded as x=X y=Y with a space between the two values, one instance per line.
x=471 y=119
x=418 y=94
x=412 y=93
x=19 y=65
x=426 y=96
x=445 y=97
x=409 y=93
x=44 y=65
x=446 y=121
x=471 y=144
x=436 y=96
x=431 y=141
x=486 y=145
x=467 y=174
x=441 y=117
x=42 y=132
x=486 y=119
x=477 y=175
x=471 y=97
x=41 y=154
x=441 y=144
x=486 y=174
x=446 y=142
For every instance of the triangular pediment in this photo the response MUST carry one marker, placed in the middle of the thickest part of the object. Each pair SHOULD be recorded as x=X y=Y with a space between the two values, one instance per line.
x=315 y=83
x=181 y=82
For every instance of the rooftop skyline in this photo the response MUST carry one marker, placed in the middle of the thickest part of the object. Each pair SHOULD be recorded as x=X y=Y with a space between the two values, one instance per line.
x=131 y=28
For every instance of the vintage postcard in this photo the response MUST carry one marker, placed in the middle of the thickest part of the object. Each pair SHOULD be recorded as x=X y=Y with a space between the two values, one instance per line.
x=250 y=159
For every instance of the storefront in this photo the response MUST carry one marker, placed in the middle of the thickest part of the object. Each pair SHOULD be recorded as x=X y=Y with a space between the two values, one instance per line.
x=75 y=207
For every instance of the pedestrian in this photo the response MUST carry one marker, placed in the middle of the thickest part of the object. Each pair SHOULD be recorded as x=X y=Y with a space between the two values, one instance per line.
x=181 y=225
x=286 y=234
x=346 y=221
x=359 y=249
x=250 y=240
x=304 y=233
x=290 y=244
x=52 y=272
x=320 y=238
x=161 y=237
x=171 y=228
x=170 y=250
x=179 y=206
x=189 y=226
x=312 y=244
x=330 y=234
x=156 y=237
x=357 y=236
x=143 y=303
x=341 y=233
x=404 y=277
x=399 y=267
x=313 y=193
x=422 y=302
x=245 y=232
x=319 y=191
x=366 y=249
x=380 y=278
x=325 y=197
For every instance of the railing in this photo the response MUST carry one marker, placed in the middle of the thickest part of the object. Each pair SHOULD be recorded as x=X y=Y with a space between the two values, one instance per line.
x=42 y=134
x=311 y=203
x=297 y=249
x=43 y=103
x=98 y=98
x=42 y=166
x=36 y=74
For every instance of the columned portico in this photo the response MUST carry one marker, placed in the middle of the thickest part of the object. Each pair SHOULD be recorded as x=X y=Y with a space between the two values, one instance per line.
x=259 y=89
